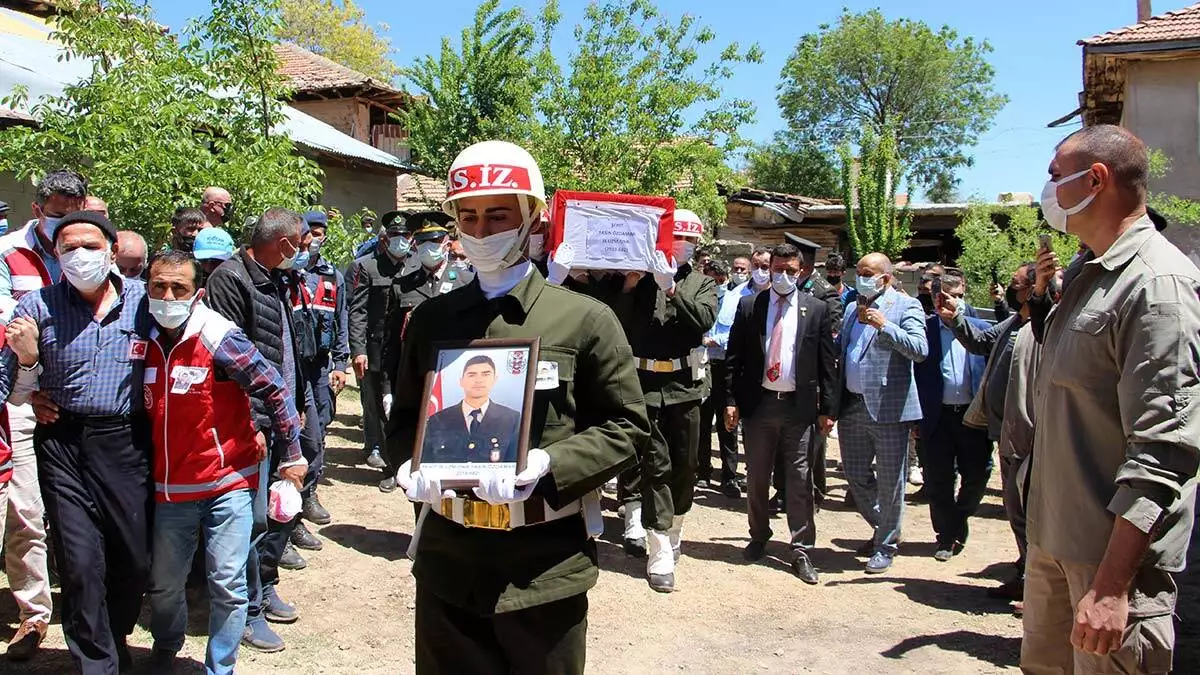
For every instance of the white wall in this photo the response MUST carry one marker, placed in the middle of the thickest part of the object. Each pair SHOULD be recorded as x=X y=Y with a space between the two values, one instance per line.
x=1162 y=106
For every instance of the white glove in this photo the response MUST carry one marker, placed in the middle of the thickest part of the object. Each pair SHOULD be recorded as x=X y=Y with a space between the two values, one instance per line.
x=419 y=487
x=387 y=406
x=496 y=489
x=664 y=272
x=560 y=263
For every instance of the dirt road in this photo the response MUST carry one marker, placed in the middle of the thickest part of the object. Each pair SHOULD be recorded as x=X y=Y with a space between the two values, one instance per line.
x=356 y=596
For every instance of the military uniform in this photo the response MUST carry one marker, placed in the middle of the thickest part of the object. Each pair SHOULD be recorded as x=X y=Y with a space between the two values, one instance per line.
x=327 y=289
x=515 y=600
x=375 y=294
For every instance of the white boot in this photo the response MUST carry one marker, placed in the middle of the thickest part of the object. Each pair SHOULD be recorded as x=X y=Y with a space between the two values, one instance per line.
x=660 y=568
x=635 y=534
x=676 y=535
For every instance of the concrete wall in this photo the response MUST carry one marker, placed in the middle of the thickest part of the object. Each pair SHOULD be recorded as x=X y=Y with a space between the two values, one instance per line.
x=346 y=115
x=18 y=195
x=1162 y=106
x=351 y=189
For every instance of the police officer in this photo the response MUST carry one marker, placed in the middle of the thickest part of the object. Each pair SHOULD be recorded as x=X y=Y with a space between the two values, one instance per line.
x=374 y=295
x=510 y=596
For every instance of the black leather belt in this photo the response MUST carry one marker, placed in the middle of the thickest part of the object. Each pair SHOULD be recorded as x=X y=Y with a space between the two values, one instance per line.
x=956 y=408
x=779 y=395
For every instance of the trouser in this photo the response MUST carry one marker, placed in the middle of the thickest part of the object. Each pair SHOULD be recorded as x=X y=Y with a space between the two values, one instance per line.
x=816 y=465
x=714 y=407
x=95 y=477
x=312 y=439
x=955 y=451
x=666 y=478
x=317 y=374
x=549 y=639
x=1053 y=589
x=777 y=429
x=878 y=493
x=372 y=388
x=1013 y=507
x=23 y=525
x=225 y=521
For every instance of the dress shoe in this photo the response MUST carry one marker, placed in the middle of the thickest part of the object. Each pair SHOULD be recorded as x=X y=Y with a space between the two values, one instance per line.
x=387 y=485
x=276 y=610
x=313 y=512
x=635 y=547
x=731 y=490
x=291 y=560
x=943 y=554
x=663 y=583
x=754 y=551
x=866 y=550
x=375 y=460
x=1013 y=589
x=702 y=479
x=804 y=570
x=261 y=638
x=918 y=497
x=162 y=662
x=879 y=563
x=741 y=483
x=775 y=505
x=25 y=643
x=302 y=538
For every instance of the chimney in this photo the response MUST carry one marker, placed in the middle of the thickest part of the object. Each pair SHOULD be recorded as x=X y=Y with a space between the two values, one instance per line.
x=1144 y=11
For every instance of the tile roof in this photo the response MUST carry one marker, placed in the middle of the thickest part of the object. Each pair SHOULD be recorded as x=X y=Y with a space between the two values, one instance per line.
x=309 y=71
x=415 y=190
x=1181 y=24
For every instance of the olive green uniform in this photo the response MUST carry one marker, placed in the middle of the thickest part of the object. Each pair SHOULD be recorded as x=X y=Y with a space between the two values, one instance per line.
x=515 y=600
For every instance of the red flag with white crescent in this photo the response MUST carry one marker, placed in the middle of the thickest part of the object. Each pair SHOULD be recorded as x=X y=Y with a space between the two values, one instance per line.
x=435 y=395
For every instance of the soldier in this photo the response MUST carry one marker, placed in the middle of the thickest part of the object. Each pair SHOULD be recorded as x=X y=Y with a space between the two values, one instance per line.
x=374 y=295
x=431 y=277
x=512 y=597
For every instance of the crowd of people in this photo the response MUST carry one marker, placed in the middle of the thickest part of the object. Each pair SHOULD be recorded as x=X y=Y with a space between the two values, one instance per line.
x=155 y=402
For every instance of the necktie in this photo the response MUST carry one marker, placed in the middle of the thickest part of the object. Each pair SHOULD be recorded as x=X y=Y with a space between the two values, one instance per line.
x=774 y=368
x=475 y=421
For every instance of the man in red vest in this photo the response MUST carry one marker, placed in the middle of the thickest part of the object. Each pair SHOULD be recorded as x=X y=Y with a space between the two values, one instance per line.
x=201 y=371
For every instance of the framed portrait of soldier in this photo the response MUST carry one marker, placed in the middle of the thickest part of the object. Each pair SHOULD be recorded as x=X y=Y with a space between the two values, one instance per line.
x=479 y=401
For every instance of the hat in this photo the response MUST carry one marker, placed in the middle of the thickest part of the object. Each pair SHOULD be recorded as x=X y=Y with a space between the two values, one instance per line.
x=394 y=218
x=687 y=224
x=430 y=233
x=94 y=217
x=433 y=221
x=3 y=207
x=316 y=219
x=213 y=243
x=801 y=243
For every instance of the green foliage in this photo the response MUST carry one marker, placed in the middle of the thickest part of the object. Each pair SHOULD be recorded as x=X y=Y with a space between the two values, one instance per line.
x=988 y=246
x=1176 y=210
x=795 y=164
x=337 y=29
x=873 y=221
x=343 y=236
x=162 y=117
x=868 y=73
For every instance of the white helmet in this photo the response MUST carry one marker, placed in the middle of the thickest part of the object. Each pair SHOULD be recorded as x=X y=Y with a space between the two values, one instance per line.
x=498 y=168
x=687 y=224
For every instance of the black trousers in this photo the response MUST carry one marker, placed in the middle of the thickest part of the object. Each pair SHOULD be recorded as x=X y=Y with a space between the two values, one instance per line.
x=371 y=390
x=549 y=639
x=95 y=479
x=955 y=451
x=714 y=407
x=665 y=476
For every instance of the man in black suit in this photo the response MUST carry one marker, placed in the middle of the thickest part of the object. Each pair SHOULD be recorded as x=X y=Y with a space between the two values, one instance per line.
x=782 y=375
x=477 y=429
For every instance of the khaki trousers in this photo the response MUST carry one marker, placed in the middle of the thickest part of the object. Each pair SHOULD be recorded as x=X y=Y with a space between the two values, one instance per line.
x=22 y=524
x=1053 y=589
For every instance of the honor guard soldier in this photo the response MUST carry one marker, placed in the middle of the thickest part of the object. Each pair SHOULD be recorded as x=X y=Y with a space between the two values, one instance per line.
x=374 y=295
x=667 y=318
x=503 y=570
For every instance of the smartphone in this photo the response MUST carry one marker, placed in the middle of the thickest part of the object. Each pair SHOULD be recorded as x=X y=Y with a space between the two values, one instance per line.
x=1046 y=242
x=995 y=276
x=935 y=287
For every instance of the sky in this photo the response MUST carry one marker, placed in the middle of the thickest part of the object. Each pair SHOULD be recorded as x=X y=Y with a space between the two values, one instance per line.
x=1037 y=61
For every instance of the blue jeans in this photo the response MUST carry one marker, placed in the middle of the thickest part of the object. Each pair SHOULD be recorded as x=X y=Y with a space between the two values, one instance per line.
x=226 y=521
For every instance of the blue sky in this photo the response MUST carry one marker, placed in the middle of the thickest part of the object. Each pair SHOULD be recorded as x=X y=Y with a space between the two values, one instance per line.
x=1038 y=65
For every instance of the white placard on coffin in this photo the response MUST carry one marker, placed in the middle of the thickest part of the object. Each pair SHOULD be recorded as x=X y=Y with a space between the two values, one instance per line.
x=612 y=232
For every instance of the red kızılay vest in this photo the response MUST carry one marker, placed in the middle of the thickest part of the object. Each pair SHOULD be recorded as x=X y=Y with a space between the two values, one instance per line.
x=204 y=438
x=27 y=271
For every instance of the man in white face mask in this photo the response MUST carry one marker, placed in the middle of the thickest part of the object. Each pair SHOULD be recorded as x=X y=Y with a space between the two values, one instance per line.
x=588 y=419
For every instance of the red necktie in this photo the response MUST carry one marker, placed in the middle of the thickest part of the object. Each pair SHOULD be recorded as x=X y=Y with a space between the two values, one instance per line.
x=774 y=369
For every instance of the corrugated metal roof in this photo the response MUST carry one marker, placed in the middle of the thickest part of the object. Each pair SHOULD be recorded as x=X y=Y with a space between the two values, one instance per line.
x=1181 y=24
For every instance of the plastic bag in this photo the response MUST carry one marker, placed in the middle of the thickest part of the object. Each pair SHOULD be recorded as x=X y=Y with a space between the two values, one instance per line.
x=283 y=501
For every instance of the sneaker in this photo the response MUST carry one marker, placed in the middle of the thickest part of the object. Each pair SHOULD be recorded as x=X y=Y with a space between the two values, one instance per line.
x=943 y=554
x=375 y=460
x=313 y=512
x=387 y=485
x=879 y=563
x=260 y=637
x=302 y=538
x=291 y=560
x=915 y=477
x=276 y=610
x=25 y=643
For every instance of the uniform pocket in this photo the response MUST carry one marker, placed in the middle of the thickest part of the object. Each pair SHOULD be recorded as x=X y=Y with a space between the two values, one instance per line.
x=555 y=407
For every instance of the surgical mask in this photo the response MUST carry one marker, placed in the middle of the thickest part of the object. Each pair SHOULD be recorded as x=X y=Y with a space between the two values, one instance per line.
x=399 y=247
x=487 y=254
x=288 y=263
x=431 y=255
x=1056 y=216
x=314 y=248
x=682 y=250
x=3 y=225
x=760 y=276
x=739 y=278
x=783 y=283
x=300 y=260
x=171 y=313
x=1013 y=298
x=48 y=226
x=86 y=269
x=537 y=246
x=868 y=287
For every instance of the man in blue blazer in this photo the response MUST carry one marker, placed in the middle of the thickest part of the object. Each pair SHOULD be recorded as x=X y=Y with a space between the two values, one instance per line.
x=882 y=335
x=947 y=382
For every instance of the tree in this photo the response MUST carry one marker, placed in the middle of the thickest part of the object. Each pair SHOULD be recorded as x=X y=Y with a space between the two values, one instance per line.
x=337 y=29
x=635 y=111
x=484 y=90
x=793 y=164
x=873 y=221
x=867 y=73
x=989 y=247
x=1175 y=209
x=159 y=118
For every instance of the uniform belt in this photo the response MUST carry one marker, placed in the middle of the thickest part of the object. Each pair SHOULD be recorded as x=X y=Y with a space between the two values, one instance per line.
x=477 y=513
x=655 y=366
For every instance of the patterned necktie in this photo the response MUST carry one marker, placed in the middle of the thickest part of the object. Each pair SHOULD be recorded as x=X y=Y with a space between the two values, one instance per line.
x=475 y=421
x=775 y=369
